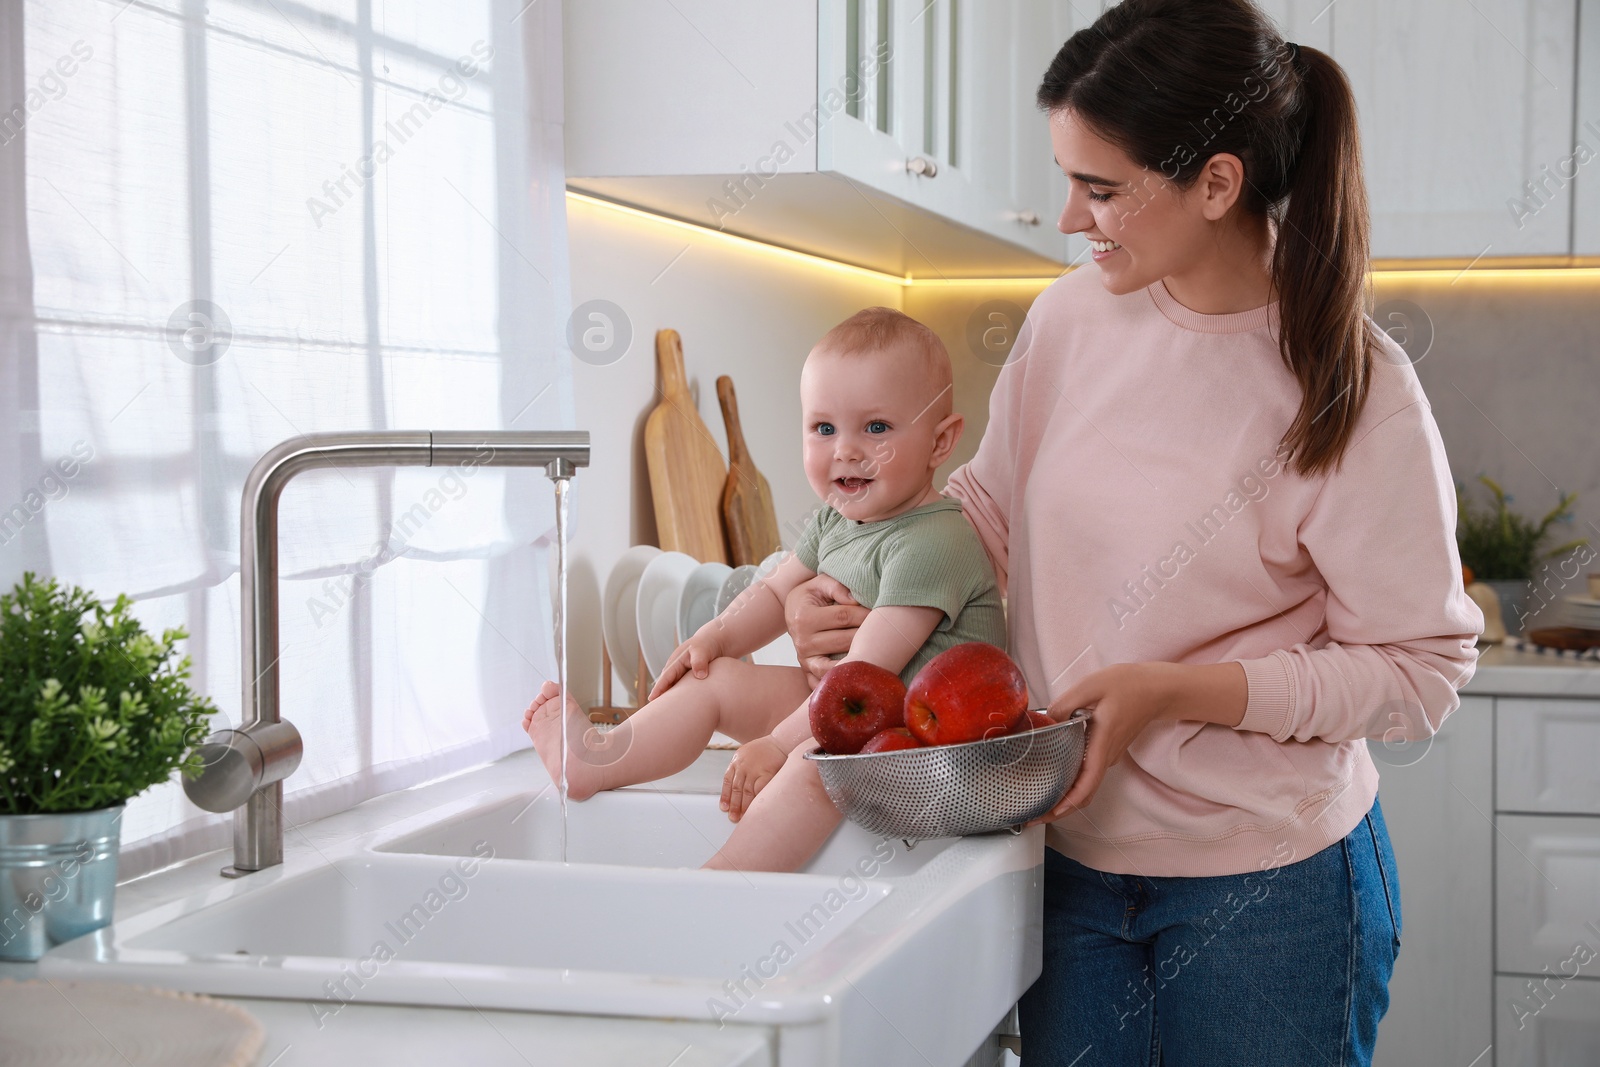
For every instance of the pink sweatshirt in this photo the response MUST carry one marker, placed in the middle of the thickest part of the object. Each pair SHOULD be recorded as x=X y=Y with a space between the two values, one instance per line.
x=1129 y=492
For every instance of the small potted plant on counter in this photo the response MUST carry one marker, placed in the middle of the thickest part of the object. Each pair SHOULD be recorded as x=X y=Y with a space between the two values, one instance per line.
x=1504 y=550
x=93 y=711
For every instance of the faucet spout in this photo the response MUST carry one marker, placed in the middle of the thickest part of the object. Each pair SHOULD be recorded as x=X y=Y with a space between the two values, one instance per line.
x=258 y=821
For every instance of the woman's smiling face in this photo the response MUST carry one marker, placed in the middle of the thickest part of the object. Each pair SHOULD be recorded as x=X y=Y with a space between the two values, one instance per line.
x=1141 y=227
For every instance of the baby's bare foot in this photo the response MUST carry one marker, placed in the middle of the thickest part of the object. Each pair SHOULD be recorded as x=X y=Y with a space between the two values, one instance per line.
x=542 y=720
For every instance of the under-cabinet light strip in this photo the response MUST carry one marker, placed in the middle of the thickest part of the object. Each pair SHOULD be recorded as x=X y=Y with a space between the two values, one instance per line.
x=1428 y=273
x=792 y=255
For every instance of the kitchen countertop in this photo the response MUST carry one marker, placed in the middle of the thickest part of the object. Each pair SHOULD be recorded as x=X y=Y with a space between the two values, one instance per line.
x=1507 y=672
x=306 y=1033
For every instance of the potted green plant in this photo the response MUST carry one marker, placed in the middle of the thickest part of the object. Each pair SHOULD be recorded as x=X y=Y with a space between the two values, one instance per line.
x=1503 y=549
x=93 y=711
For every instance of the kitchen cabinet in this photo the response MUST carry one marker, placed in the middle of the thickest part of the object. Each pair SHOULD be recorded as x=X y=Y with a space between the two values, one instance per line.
x=1496 y=831
x=1557 y=1026
x=899 y=135
x=1548 y=880
x=1466 y=114
x=1547 y=751
x=978 y=148
x=1586 y=185
x=1437 y=800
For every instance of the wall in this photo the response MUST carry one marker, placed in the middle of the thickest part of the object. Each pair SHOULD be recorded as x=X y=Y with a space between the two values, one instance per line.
x=1513 y=375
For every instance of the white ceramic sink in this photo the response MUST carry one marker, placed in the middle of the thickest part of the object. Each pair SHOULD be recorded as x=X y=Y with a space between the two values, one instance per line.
x=874 y=954
x=634 y=827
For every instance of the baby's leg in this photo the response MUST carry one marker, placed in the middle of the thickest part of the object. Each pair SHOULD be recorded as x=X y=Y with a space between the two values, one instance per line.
x=785 y=825
x=743 y=700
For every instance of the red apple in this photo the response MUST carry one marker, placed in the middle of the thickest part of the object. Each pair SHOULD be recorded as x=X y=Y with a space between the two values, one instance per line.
x=896 y=737
x=966 y=693
x=1031 y=721
x=855 y=701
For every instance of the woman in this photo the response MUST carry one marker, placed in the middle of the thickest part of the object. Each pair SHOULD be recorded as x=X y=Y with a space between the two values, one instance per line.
x=1225 y=518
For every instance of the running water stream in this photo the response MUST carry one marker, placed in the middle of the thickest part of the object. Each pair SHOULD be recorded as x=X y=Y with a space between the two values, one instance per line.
x=562 y=485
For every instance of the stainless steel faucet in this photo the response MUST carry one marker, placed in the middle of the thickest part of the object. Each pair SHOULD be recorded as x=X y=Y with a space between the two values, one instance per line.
x=243 y=769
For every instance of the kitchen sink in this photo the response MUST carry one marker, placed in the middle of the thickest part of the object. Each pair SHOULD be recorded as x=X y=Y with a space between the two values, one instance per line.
x=464 y=903
x=633 y=827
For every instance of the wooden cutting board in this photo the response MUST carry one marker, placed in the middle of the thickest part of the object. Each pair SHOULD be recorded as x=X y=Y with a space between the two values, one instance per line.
x=747 y=510
x=685 y=466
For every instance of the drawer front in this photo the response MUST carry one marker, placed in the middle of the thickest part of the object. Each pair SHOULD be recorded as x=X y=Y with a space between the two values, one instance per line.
x=1553 y=1024
x=1547 y=895
x=1549 y=755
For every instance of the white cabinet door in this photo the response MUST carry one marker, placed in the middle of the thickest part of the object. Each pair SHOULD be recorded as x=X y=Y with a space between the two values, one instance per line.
x=952 y=98
x=875 y=134
x=695 y=87
x=1586 y=160
x=1308 y=22
x=1556 y=1024
x=1466 y=115
x=1438 y=801
x=1547 y=755
x=1547 y=894
x=1038 y=191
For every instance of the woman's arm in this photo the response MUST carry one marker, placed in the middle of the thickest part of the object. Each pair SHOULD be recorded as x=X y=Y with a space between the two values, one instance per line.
x=1126 y=697
x=987 y=516
x=822 y=618
x=1401 y=631
x=985 y=484
x=1400 y=627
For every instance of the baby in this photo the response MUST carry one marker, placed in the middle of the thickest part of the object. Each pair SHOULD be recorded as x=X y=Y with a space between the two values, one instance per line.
x=875 y=393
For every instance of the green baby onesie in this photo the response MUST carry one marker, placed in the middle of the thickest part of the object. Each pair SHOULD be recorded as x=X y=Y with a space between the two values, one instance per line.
x=928 y=557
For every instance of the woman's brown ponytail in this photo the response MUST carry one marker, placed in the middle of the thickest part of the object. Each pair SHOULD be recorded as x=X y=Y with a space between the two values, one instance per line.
x=1319 y=268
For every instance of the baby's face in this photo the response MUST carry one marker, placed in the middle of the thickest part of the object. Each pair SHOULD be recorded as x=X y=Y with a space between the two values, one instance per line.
x=870 y=431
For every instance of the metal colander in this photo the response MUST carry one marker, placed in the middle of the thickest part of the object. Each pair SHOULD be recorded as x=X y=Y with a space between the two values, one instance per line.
x=949 y=790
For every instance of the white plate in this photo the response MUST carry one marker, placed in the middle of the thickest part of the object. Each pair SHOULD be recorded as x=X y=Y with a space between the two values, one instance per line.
x=1583 y=612
x=618 y=620
x=697 y=604
x=780 y=653
x=770 y=564
x=738 y=580
x=659 y=588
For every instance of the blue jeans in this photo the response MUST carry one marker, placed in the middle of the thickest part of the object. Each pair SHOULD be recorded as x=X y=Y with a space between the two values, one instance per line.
x=1288 y=966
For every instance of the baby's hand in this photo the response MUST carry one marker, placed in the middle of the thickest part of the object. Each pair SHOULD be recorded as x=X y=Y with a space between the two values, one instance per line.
x=752 y=768
x=694 y=655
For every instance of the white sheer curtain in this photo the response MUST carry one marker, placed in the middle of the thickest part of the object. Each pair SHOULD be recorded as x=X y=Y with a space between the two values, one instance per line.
x=228 y=222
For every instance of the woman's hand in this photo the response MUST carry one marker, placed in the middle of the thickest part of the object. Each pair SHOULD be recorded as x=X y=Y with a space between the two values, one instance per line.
x=1123 y=699
x=822 y=618
x=752 y=768
x=693 y=655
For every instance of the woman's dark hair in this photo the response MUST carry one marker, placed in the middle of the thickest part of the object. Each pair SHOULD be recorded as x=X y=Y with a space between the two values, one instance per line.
x=1174 y=82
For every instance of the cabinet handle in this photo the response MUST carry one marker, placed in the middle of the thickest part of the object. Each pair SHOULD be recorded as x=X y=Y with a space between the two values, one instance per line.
x=922 y=165
x=1027 y=218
